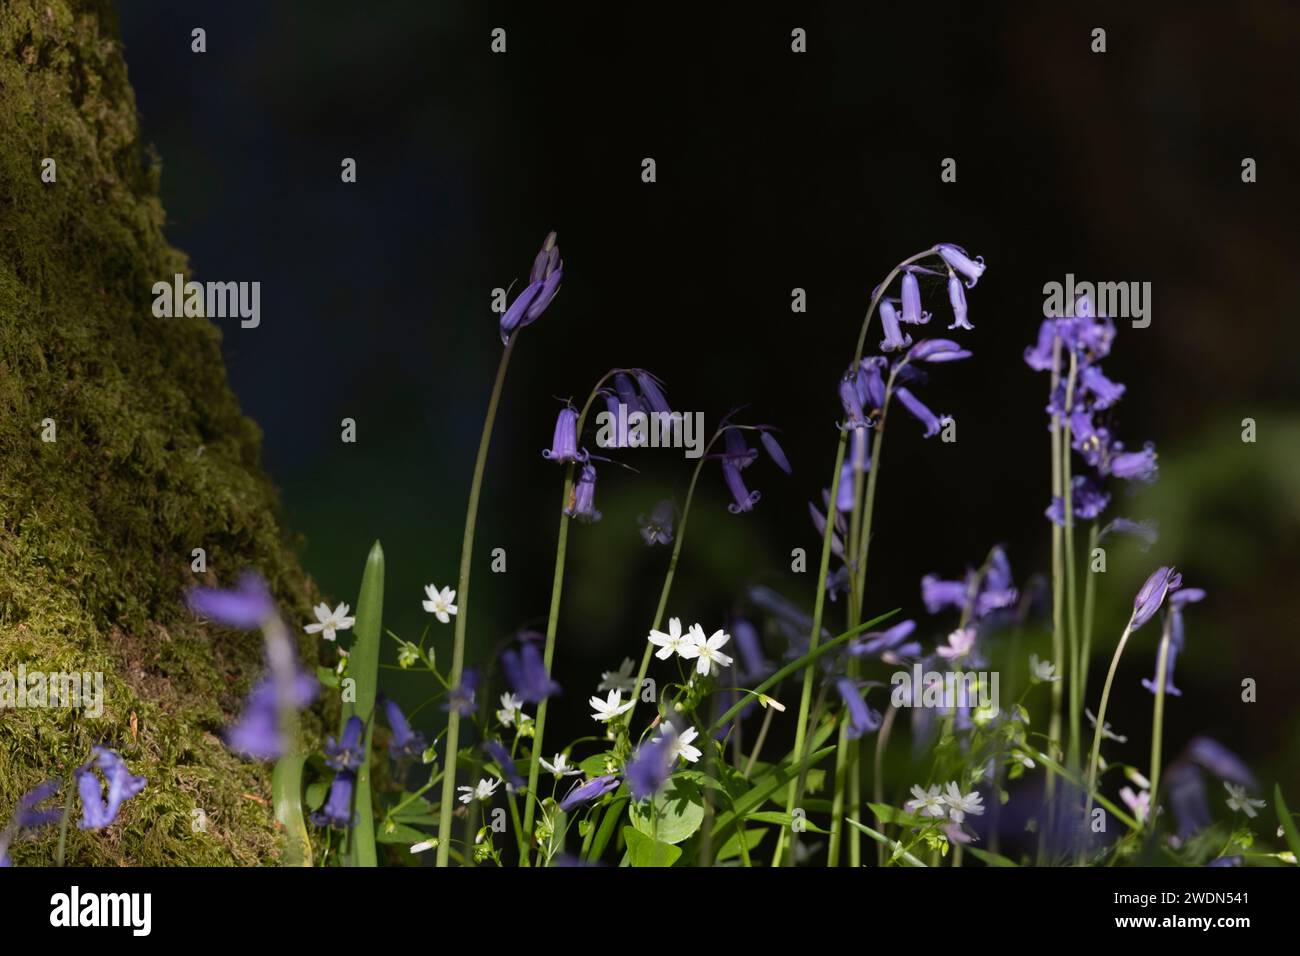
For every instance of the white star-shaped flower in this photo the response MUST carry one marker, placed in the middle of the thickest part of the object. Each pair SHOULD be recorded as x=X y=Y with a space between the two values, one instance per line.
x=706 y=651
x=484 y=791
x=928 y=803
x=439 y=603
x=1239 y=799
x=560 y=766
x=610 y=707
x=672 y=642
x=327 y=621
x=959 y=806
x=959 y=644
x=681 y=745
x=510 y=709
x=1042 y=672
x=620 y=679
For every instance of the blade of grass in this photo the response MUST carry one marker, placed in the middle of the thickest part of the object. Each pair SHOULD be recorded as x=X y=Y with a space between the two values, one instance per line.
x=363 y=667
x=286 y=794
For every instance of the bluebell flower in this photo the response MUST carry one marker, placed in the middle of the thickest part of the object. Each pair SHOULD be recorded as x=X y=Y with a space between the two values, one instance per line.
x=592 y=789
x=874 y=643
x=957 y=298
x=1145 y=531
x=1177 y=600
x=870 y=380
x=958 y=260
x=627 y=393
x=96 y=812
x=337 y=811
x=497 y=751
x=774 y=451
x=657 y=528
x=652 y=396
x=913 y=314
x=1134 y=465
x=1039 y=356
x=543 y=284
x=526 y=673
x=246 y=606
x=894 y=338
x=1094 y=385
x=403 y=742
x=862 y=719
x=349 y=750
x=1087 y=501
x=1152 y=595
x=582 y=499
x=564 y=445
x=844 y=495
x=997 y=591
x=819 y=522
x=937 y=594
x=28 y=815
x=937 y=350
x=754 y=667
x=742 y=499
x=1220 y=761
x=933 y=423
x=462 y=697
x=257 y=733
x=650 y=765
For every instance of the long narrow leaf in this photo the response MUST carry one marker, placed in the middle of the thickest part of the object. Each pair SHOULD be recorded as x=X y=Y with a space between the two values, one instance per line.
x=363 y=667
x=889 y=844
x=286 y=794
x=1284 y=818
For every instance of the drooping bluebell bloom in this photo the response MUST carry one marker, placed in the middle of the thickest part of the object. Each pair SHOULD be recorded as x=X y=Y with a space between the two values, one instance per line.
x=337 y=811
x=1184 y=792
x=592 y=789
x=257 y=733
x=957 y=259
x=912 y=314
x=774 y=451
x=937 y=594
x=497 y=751
x=1220 y=761
x=870 y=380
x=844 y=495
x=737 y=456
x=627 y=393
x=997 y=591
x=1177 y=600
x=96 y=812
x=28 y=815
x=1098 y=389
x=246 y=606
x=819 y=522
x=1039 y=356
x=652 y=395
x=657 y=527
x=894 y=338
x=933 y=423
x=1091 y=441
x=650 y=765
x=619 y=437
x=526 y=673
x=463 y=697
x=862 y=719
x=1152 y=595
x=957 y=298
x=1134 y=465
x=543 y=284
x=403 y=742
x=937 y=350
x=874 y=643
x=564 y=446
x=582 y=499
x=349 y=750
x=1087 y=500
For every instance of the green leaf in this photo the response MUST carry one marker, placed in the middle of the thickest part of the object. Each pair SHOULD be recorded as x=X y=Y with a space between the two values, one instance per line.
x=992 y=859
x=316 y=794
x=286 y=794
x=673 y=815
x=732 y=847
x=363 y=667
x=725 y=824
x=391 y=832
x=596 y=765
x=646 y=851
x=327 y=676
x=781 y=819
x=1284 y=818
x=887 y=814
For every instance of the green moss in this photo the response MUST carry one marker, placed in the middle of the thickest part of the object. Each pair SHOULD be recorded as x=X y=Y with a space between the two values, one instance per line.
x=152 y=459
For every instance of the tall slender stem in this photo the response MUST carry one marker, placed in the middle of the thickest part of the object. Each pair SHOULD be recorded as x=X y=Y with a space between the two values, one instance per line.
x=1067 y=504
x=1158 y=717
x=1089 y=606
x=1101 y=718
x=1058 y=584
x=462 y=596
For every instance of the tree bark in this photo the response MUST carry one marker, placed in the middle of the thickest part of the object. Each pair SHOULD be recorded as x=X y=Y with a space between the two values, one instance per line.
x=150 y=458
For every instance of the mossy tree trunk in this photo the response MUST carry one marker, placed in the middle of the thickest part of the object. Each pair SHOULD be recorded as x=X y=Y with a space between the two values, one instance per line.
x=151 y=459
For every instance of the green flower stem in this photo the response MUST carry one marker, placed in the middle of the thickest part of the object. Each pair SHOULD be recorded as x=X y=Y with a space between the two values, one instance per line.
x=878 y=770
x=1158 y=717
x=448 y=800
x=552 y=624
x=1067 y=502
x=1089 y=606
x=1101 y=718
x=1058 y=603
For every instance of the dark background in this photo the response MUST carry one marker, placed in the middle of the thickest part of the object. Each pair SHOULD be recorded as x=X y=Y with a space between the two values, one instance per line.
x=775 y=170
